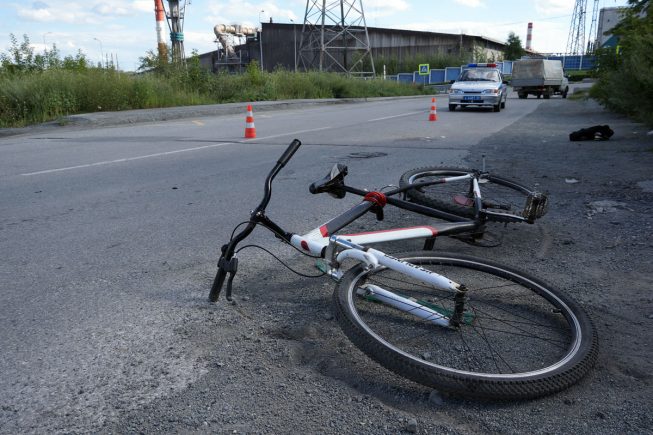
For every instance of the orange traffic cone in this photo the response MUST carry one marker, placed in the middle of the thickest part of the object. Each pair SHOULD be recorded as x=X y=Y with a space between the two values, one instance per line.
x=250 y=130
x=433 y=116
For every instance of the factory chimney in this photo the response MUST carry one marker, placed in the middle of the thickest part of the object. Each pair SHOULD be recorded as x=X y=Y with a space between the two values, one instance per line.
x=161 y=42
x=529 y=37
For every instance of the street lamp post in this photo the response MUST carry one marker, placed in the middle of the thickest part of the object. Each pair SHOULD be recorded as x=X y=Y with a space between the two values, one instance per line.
x=45 y=46
x=260 y=37
x=101 y=52
x=294 y=34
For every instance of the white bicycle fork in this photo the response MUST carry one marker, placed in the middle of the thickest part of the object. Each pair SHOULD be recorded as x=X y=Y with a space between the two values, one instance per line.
x=373 y=259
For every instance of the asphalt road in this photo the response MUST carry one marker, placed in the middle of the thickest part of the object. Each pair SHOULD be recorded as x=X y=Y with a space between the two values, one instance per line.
x=109 y=236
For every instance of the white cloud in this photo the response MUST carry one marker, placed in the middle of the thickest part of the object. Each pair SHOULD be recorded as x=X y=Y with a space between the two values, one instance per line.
x=42 y=15
x=143 y=5
x=554 y=7
x=109 y=10
x=471 y=3
x=68 y=12
x=383 y=8
x=80 y=13
x=386 y=5
x=202 y=41
x=236 y=12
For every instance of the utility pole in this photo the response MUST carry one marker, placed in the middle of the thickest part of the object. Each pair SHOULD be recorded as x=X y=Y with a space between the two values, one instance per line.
x=294 y=34
x=101 y=52
x=260 y=37
x=176 y=12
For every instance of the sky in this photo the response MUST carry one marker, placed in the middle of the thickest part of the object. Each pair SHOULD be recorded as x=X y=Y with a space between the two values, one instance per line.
x=125 y=29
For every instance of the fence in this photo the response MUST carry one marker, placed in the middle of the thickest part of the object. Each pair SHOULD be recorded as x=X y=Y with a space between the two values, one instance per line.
x=440 y=76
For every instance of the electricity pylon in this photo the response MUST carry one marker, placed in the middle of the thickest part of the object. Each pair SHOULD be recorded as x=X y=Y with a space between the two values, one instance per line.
x=592 y=37
x=335 y=38
x=576 y=38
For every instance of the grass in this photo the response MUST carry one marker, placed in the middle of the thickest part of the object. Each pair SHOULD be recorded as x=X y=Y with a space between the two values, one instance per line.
x=579 y=94
x=50 y=95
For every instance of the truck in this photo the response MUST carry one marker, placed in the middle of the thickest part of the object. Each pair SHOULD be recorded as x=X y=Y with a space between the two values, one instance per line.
x=539 y=77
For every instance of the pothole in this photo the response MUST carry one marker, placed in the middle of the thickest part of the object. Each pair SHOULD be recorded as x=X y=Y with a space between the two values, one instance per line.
x=366 y=155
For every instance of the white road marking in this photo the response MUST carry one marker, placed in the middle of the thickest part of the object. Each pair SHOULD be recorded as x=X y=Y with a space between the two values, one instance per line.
x=166 y=153
x=289 y=134
x=128 y=159
x=396 y=116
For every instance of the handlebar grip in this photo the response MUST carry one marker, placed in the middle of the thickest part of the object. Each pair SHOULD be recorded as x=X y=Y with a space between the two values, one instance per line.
x=287 y=155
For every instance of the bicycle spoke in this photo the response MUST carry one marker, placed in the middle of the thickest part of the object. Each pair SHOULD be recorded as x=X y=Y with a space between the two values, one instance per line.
x=493 y=351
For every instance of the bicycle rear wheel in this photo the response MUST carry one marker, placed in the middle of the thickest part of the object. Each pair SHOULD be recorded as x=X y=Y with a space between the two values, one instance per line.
x=499 y=194
x=519 y=337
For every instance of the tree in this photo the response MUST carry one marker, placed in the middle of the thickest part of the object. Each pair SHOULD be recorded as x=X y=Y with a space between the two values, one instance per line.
x=625 y=83
x=22 y=59
x=514 y=49
x=21 y=55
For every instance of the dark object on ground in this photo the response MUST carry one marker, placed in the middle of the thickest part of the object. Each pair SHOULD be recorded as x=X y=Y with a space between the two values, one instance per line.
x=598 y=132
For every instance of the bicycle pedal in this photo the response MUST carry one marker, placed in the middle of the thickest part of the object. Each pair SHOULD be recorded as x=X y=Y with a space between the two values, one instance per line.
x=537 y=205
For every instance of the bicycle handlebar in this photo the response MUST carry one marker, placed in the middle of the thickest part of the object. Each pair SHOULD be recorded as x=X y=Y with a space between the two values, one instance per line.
x=228 y=264
x=287 y=155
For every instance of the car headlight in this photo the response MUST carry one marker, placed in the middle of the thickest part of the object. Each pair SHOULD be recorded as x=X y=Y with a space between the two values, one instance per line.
x=455 y=91
x=490 y=91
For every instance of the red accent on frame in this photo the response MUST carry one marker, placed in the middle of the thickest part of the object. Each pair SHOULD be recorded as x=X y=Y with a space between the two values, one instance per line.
x=377 y=198
x=324 y=231
x=304 y=245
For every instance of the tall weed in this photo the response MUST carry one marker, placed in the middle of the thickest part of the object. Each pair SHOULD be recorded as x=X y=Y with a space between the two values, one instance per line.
x=31 y=94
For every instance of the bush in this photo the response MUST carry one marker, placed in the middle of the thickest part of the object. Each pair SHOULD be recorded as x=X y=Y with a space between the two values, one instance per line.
x=625 y=83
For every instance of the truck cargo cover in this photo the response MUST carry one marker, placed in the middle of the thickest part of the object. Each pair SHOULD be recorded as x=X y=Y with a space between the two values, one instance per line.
x=537 y=69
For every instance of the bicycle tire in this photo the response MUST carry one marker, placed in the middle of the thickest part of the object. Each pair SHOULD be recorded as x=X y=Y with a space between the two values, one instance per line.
x=507 y=195
x=486 y=357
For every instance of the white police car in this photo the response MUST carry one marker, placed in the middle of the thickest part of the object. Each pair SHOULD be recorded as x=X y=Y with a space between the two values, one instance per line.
x=480 y=84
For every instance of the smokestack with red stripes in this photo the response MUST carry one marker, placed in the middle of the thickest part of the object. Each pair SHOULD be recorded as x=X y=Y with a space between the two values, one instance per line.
x=161 y=42
x=529 y=36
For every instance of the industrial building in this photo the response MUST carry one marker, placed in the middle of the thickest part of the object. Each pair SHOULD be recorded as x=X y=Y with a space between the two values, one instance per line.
x=281 y=42
x=608 y=18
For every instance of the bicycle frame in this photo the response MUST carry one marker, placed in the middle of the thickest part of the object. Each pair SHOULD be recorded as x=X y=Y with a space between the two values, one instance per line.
x=321 y=242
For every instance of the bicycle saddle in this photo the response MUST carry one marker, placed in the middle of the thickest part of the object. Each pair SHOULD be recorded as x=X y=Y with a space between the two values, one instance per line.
x=333 y=182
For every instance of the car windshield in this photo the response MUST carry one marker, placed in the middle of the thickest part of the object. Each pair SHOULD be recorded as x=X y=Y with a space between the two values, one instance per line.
x=475 y=75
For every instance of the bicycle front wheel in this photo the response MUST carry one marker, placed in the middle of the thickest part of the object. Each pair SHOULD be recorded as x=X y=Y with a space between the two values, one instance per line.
x=499 y=194
x=518 y=337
